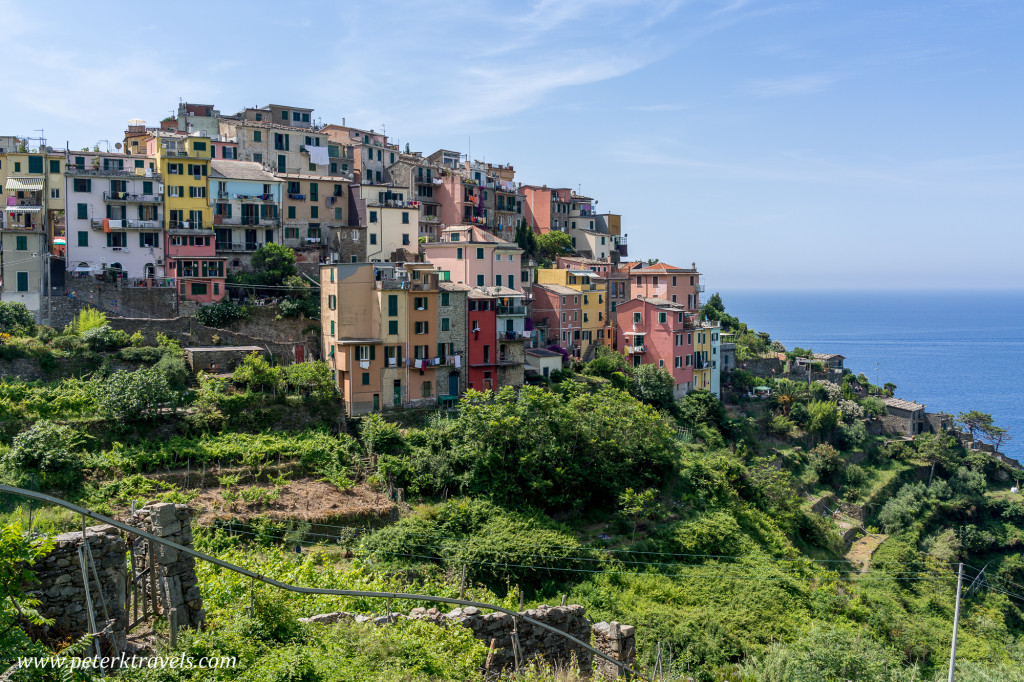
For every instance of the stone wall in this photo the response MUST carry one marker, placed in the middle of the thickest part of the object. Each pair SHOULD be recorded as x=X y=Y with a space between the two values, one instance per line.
x=179 y=594
x=61 y=589
x=113 y=299
x=613 y=639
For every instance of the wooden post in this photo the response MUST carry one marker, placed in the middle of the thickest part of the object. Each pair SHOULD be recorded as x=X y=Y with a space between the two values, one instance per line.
x=152 y=578
x=490 y=655
x=515 y=643
x=563 y=599
x=462 y=583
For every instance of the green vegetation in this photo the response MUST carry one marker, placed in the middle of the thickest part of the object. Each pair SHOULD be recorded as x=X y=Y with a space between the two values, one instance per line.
x=691 y=519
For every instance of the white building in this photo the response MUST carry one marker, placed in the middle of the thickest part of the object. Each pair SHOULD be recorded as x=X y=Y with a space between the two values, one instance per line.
x=114 y=208
x=246 y=202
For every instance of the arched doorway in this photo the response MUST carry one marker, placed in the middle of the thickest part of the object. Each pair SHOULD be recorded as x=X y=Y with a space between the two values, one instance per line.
x=149 y=272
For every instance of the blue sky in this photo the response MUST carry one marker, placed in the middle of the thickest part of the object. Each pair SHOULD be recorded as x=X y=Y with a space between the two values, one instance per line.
x=803 y=144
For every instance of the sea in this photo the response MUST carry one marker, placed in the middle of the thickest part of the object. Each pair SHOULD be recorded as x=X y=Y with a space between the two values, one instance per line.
x=953 y=351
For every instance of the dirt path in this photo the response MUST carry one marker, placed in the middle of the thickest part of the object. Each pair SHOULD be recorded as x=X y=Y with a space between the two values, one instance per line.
x=861 y=550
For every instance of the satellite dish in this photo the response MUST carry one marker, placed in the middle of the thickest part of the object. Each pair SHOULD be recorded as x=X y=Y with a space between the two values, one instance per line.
x=117 y=145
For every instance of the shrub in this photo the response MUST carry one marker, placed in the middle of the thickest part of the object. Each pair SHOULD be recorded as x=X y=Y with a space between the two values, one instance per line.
x=147 y=354
x=780 y=426
x=256 y=373
x=827 y=463
x=220 y=314
x=851 y=436
x=45 y=456
x=823 y=417
x=16 y=319
x=873 y=407
x=855 y=475
x=137 y=340
x=105 y=338
x=128 y=396
x=174 y=370
x=314 y=378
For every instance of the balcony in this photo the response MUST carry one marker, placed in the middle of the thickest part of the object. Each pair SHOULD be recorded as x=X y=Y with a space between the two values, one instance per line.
x=511 y=336
x=247 y=221
x=127 y=224
x=507 y=360
x=699 y=288
x=238 y=248
x=27 y=201
x=296 y=197
x=639 y=349
x=511 y=310
x=125 y=197
x=112 y=173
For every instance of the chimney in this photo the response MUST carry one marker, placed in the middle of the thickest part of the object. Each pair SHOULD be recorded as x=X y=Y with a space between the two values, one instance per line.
x=342 y=121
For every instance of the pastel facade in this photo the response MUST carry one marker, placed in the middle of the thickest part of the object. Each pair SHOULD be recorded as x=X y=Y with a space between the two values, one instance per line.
x=594 y=326
x=314 y=207
x=707 y=358
x=476 y=258
x=392 y=222
x=380 y=336
x=558 y=314
x=668 y=282
x=115 y=217
x=191 y=259
x=246 y=204
x=658 y=332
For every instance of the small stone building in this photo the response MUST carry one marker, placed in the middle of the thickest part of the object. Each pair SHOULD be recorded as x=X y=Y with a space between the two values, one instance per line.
x=219 y=359
x=905 y=417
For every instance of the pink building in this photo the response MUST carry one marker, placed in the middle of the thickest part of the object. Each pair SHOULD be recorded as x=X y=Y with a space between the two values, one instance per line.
x=667 y=282
x=476 y=258
x=558 y=312
x=223 y=150
x=545 y=208
x=653 y=331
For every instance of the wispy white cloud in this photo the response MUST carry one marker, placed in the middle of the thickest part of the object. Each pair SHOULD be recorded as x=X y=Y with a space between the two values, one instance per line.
x=791 y=85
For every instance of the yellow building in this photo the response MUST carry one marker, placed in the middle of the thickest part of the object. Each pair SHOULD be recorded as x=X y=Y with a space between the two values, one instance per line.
x=32 y=220
x=595 y=327
x=706 y=371
x=183 y=162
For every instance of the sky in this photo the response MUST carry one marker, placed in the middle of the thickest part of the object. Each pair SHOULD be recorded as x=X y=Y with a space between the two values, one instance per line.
x=818 y=144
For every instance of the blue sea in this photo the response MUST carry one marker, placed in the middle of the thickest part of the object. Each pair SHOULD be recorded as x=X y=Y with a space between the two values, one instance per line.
x=951 y=350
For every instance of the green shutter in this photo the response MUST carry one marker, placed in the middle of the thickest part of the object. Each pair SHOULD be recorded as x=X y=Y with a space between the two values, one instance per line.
x=147 y=187
x=110 y=239
x=83 y=211
x=373 y=352
x=142 y=242
x=83 y=238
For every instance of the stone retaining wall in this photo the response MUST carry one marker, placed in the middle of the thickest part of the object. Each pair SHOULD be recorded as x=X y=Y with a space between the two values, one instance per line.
x=61 y=589
x=613 y=639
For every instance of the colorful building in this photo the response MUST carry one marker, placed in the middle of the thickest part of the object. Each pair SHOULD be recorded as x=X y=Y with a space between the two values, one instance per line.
x=476 y=258
x=246 y=204
x=657 y=332
x=557 y=316
x=382 y=340
x=32 y=222
x=191 y=262
x=594 y=326
x=115 y=221
x=667 y=282
x=706 y=369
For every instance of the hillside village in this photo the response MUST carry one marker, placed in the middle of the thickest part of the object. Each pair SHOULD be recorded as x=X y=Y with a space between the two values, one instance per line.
x=339 y=364
x=438 y=273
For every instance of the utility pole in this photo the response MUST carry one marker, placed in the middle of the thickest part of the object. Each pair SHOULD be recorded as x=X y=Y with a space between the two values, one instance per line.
x=956 y=622
x=878 y=386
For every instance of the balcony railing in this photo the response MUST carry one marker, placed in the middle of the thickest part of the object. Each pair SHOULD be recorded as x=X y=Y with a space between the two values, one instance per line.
x=127 y=224
x=112 y=172
x=25 y=201
x=231 y=246
x=133 y=198
x=508 y=360
x=511 y=310
x=297 y=197
x=511 y=336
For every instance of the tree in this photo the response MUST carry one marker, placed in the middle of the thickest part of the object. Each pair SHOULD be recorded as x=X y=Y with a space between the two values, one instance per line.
x=889 y=388
x=526 y=238
x=638 y=505
x=553 y=244
x=653 y=385
x=996 y=435
x=701 y=407
x=18 y=551
x=16 y=319
x=255 y=373
x=129 y=396
x=827 y=463
x=273 y=263
x=713 y=308
x=974 y=421
x=823 y=417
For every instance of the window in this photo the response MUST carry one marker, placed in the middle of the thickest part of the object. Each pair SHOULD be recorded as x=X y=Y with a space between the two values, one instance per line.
x=445 y=324
x=458 y=253
x=480 y=253
x=149 y=239
x=638 y=280
x=198 y=288
x=83 y=238
x=366 y=378
x=363 y=353
x=196 y=169
x=421 y=352
x=35 y=164
x=422 y=327
x=198 y=146
x=689 y=358
x=332 y=300
x=314 y=191
x=82 y=185
x=392 y=326
x=293 y=233
x=637 y=318
x=314 y=211
x=420 y=302
x=456 y=236
x=257 y=136
x=427 y=389
x=679 y=361
x=373 y=216
x=497 y=257
x=497 y=280
x=662 y=318
x=258 y=158
x=296 y=116
x=197 y=192
x=405 y=239
x=22 y=243
x=392 y=305
x=291 y=212
x=680 y=318
x=83 y=211
x=22 y=281
x=445 y=298
x=337 y=213
x=281 y=141
x=373 y=238
x=54 y=166
x=689 y=339
x=661 y=363
x=480 y=280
